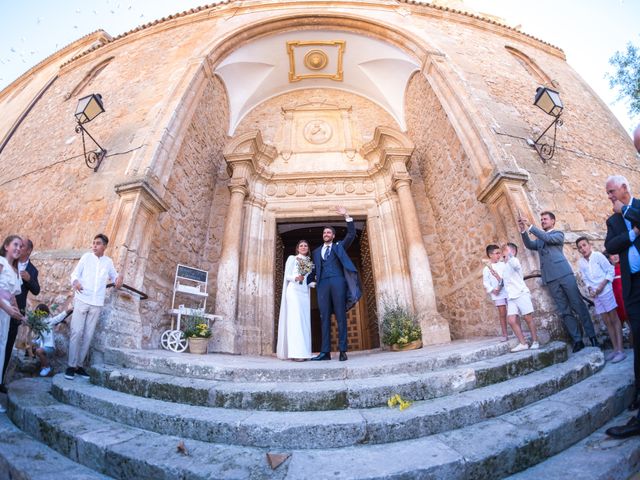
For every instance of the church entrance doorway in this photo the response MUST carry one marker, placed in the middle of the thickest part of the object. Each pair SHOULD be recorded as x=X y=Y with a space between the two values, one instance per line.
x=362 y=324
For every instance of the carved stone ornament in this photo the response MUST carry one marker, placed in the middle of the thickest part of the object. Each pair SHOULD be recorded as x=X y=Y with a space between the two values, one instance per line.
x=317 y=132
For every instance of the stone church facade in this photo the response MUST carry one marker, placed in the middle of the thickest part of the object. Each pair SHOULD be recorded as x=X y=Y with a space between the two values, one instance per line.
x=233 y=130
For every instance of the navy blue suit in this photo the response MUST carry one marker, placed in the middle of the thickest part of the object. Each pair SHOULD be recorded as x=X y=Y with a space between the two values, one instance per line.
x=338 y=288
x=617 y=242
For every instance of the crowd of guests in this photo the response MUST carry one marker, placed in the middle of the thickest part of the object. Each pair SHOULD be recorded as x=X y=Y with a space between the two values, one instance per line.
x=19 y=277
x=504 y=282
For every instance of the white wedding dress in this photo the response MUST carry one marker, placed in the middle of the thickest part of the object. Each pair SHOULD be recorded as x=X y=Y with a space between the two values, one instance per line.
x=294 y=326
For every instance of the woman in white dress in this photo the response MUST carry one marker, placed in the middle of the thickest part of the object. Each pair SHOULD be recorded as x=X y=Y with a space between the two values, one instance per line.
x=10 y=286
x=294 y=326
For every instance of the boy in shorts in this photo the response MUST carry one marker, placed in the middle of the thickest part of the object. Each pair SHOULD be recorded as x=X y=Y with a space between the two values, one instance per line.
x=494 y=286
x=597 y=274
x=518 y=298
x=45 y=345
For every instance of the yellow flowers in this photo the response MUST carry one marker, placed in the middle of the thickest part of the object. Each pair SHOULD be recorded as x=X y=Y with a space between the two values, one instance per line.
x=398 y=400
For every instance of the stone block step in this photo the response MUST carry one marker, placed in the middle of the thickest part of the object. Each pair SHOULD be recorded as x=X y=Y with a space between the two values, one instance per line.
x=330 y=394
x=596 y=457
x=22 y=458
x=493 y=448
x=327 y=429
x=243 y=368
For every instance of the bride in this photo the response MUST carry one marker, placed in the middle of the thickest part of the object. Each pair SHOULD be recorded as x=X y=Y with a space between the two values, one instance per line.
x=294 y=326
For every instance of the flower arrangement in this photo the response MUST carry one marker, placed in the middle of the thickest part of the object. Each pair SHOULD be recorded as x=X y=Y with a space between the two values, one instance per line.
x=197 y=326
x=36 y=322
x=398 y=400
x=399 y=327
x=305 y=266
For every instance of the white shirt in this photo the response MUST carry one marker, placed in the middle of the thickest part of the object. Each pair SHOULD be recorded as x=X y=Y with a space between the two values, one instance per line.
x=513 y=281
x=46 y=340
x=93 y=272
x=595 y=270
x=22 y=266
x=491 y=283
x=325 y=250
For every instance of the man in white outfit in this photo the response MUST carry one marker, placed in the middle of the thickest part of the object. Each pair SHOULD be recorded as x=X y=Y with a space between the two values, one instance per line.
x=89 y=281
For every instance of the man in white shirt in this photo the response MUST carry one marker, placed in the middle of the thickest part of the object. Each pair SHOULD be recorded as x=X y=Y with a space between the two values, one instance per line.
x=89 y=281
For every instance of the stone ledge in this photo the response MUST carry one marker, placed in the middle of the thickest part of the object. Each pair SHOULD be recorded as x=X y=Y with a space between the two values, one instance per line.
x=331 y=394
x=328 y=428
x=22 y=457
x=491 y=449
x=244 y=368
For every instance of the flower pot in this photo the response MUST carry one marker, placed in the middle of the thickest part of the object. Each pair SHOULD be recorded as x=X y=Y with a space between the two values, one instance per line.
x=198 y=345
x=396 y=347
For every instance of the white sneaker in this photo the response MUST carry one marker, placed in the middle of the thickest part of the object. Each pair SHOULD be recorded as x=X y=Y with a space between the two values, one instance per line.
x=535 y=346
x=45 y=371
x=520 y=347
x=620 y=356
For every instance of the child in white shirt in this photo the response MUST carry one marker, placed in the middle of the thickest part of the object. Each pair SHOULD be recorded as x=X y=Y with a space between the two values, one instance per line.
x=519 y=298
x=44 y=344
x=597 y=274
x=494 y=286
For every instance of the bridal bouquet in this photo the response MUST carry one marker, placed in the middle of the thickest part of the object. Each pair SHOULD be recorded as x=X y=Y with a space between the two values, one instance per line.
x=305 y=266
x=37 y=323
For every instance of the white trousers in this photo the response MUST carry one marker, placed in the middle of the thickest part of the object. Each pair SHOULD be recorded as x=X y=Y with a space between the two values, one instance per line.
x=83 y=325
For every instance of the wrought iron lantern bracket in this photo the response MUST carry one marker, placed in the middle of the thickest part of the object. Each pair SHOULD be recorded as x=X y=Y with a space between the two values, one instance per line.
x=92 y=158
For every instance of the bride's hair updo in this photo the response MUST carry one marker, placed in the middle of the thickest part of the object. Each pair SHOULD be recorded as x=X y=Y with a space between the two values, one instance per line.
x=298 y=247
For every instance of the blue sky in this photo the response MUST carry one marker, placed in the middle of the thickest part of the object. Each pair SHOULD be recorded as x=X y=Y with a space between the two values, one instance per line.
x=589 y=31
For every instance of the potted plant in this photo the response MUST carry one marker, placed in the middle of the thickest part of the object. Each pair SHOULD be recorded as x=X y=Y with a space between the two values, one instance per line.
x=400 y=329
x=198 y=332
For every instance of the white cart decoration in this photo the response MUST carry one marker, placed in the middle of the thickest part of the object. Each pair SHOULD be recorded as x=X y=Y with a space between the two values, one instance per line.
x=189 y=286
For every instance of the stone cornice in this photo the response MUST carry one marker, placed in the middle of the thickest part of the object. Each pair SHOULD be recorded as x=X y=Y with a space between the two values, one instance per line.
x=141 y=186
x=386 y=145
x=494 y=185
x=246 y=5
x=99 y=36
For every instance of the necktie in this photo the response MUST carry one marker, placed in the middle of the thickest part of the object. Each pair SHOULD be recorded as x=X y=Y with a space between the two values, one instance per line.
x=327 y=250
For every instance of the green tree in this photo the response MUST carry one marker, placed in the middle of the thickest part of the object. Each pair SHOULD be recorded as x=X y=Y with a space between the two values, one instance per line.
x=626 y=78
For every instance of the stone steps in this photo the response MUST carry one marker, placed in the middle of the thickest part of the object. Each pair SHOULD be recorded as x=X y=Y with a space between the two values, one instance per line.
x=22 y=457
x=236 y=368
x=328 y=428
x=356 y=393
x=492 y=448
x=596 y=457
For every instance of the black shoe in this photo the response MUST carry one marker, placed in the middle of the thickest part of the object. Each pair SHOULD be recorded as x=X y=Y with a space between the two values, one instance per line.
x=631 y=428
x=81 y=372
x=322 y=356
x=70 y=373
x=579 y=345
x=343 y=356
x=594 y=342
x=3 y=388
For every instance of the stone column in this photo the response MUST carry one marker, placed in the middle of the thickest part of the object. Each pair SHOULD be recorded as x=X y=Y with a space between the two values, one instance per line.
x=434 y=328
x=224 y=331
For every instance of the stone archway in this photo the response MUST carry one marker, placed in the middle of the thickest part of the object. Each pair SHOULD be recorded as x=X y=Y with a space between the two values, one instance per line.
x=375 y=188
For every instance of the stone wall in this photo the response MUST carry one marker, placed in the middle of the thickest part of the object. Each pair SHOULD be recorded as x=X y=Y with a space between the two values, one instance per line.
x=455 y=226
x=190 y=231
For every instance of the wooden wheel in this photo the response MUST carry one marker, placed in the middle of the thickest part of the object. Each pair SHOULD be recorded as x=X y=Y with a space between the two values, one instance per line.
x=177 y=342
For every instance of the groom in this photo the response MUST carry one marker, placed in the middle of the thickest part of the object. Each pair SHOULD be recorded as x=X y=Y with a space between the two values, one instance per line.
x=338 y=287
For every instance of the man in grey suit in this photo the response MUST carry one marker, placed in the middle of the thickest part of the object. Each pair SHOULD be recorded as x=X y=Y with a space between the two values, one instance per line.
x=558 y=276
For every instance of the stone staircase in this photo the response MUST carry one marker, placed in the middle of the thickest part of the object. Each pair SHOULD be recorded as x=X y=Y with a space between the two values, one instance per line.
x=478 y=412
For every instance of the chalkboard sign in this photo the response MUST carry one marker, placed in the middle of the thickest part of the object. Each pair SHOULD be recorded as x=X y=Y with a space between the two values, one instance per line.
x=192 y=274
